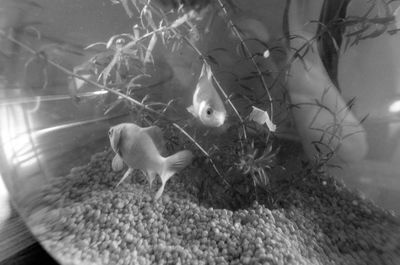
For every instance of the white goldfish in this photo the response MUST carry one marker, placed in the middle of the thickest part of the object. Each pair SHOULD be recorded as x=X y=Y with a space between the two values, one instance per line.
x=207 y=104
x=141 y=148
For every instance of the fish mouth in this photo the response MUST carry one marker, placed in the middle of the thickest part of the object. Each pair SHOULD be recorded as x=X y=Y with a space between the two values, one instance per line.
x=220 y=118
x=214 y=123
x=218 y=124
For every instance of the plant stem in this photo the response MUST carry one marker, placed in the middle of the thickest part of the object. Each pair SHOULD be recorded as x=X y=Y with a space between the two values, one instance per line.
x=202 y=150
x=133 y=43
x=259 y=72
x=203 y=58
x=130 y=99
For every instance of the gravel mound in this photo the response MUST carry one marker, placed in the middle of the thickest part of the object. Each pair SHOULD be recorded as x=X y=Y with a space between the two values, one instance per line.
x=87 y=221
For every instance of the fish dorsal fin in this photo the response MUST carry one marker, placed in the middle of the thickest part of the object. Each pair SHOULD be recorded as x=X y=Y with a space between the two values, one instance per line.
x=205 y=84
x=206 y=90
x=156 y=135
x=117 y=163
x=127 y=173
x=206 y=71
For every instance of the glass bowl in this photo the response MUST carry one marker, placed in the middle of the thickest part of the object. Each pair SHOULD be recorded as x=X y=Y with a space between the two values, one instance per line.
x=298 y=163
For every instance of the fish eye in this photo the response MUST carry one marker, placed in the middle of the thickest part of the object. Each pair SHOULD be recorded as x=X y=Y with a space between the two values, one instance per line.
x=209 y=111
x=110 y=132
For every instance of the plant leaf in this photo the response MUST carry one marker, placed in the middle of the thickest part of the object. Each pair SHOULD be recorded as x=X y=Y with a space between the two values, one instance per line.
x=179 y=21
x=150 y=48
x=134 y=3
x=113 y=106
x=126 y=7
x=94 y=44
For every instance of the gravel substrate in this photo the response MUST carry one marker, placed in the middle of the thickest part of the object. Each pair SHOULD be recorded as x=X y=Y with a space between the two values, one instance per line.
x=87 y=221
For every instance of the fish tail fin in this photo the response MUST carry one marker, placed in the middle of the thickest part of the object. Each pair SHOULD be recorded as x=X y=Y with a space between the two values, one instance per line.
x=173 y=164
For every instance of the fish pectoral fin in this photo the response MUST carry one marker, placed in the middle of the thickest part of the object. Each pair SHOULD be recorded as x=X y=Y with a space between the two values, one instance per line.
x=190 y=109
x=127 y=173
x=165 y=176
x=156 y=135
x=160 y=191
x=117 y=163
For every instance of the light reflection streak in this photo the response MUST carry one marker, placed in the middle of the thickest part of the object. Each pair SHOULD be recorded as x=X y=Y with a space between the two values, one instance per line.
x=41 y=132
x=395 y=107
x=24 y=100
x=71 y=125
x=18 y=146
x=5 y=209
x=18 y=139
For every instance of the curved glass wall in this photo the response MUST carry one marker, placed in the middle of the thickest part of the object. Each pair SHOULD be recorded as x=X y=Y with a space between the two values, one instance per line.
x=203 y=132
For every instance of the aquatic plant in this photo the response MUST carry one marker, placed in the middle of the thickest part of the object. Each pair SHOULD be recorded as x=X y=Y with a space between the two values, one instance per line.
x=124 y=64
x=257 y=165
x=132 y=51
x=337 y=31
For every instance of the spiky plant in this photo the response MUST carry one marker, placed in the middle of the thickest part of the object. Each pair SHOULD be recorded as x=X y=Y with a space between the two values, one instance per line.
x=257 y=164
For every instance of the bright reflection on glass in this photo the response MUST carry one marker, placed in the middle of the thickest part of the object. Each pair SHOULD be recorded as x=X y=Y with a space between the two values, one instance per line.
x=38 y=99
x=17 y=142
x=5 y=210
x=395 y=107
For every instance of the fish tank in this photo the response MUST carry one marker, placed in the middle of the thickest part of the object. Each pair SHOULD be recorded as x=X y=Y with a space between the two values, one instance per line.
x=203 y=132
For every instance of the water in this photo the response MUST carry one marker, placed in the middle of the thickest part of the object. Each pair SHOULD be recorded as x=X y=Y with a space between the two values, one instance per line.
x=313 y=180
